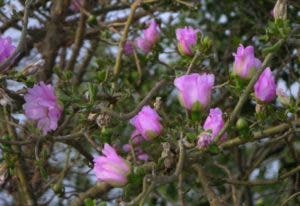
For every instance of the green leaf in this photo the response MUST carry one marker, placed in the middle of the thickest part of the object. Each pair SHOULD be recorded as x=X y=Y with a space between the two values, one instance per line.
x=89 y=202
x=213 y=148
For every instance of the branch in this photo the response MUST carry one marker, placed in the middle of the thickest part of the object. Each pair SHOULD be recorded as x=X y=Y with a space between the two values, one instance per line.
x=211 y=196
x=193 y=62
x=93 y=192
x=263 y=182
x=134 y=6
x=78 y=38
x=138 y=107
x=23 y=185
x=245 y=94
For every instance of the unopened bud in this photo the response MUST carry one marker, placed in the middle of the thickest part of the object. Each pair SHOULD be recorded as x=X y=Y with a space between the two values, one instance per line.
x=33 y=68
x=241 y=124
x=280 y=10
x=4 y=98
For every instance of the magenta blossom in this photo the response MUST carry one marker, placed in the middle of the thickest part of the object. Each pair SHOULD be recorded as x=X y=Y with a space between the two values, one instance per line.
x=128 y=48
x=212 y=126
x=42 y=106
x=6 y=48
x=187 y=39
x=265 y=87
x=245 y=63
x=149 y=39
x=147 y=123
x=195 y=90
x=111 y=168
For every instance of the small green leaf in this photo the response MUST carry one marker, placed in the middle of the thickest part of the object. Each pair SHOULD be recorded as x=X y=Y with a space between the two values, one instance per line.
x=213 y=149
x=89 y=202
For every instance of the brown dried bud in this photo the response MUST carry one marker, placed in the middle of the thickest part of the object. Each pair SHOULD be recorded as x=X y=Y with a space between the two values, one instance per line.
x=4 y=98
x=280 y=9
x=92 y=116
x=157 y=103
x=103 y=120
x=3 y=173
x=33 y=68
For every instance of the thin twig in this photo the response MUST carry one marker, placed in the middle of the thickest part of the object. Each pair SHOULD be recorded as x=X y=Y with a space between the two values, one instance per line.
x=197 y=54
x=93 y=192
x=211 y=196
x=138 y=107
x=78 y=38
x=138 y=66
x=134 y=6
x=291 y=197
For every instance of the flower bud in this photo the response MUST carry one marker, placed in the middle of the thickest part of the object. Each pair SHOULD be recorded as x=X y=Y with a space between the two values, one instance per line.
x=265 y=87
x=7 y=48
x=245 y=63
x=187 y=39
x=213 y=124
x=280 y=10
x=241 y=124
x=128 y=48
x=149 y=39
x=111 y=168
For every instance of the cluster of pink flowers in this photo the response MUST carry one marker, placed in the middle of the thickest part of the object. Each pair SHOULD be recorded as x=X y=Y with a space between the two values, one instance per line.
x=194 y=93
x=245 y=65
x=186 y=38
x=7 y=48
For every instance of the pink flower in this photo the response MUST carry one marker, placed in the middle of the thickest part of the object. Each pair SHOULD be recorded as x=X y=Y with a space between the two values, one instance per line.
x=128 y=48
x=147 y=123
x=187 y=39
x=265 y=87
x=6 y=48
x=245 y=63
x=195 y=90
x=212 y=126
x=42 y=106
x=111 y=168
x=149 y=39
